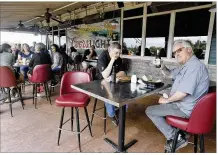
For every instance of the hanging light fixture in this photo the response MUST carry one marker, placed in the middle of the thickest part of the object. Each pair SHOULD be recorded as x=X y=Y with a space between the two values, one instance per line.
x=74 y=27
x=114 y=21
x=213 y=8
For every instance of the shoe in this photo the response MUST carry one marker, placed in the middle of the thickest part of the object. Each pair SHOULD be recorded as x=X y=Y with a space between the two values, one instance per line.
x=181 y=142
x=54 y=83
x=39 y=95
x=114 y=120
x=7 y=100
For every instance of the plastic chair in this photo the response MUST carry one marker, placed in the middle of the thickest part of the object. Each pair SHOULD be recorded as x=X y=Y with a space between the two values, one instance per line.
x=200 y=122
x=7 y=80
x=73 y=99
x=41 y=75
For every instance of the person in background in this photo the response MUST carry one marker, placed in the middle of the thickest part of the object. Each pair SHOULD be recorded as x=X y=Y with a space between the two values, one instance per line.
x=191 y=82
x=107 y=59
x=73 y=52
x=57 y=58
x=7 y=59
x=18 y=46
x=32 y=48
x=25 y=57
x=40 y=57
x=88 y=55
x=15 y=51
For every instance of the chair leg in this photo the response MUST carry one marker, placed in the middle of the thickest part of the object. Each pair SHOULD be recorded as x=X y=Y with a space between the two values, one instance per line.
x=105 y=119
x=93 y=111
x=46 y=93
x=72 y=118
x=49 y=95
x=195 y=143
x=87 y=118
x=33 y=93
x=20 y=95
x=60 y=126
x=10 y=104
x=202 y=150
x=175 y=141
x=78 y=127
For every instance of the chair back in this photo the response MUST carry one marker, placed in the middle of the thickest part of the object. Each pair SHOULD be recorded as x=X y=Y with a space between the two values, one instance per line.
x=203 y=115
x=41 y=73
x=74 y=77
x=7 y=77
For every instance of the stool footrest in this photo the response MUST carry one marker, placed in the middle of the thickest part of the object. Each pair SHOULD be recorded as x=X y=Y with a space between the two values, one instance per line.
x=99 y=116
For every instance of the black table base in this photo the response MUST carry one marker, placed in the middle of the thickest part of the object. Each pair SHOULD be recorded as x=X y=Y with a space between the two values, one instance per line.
x=121 y=141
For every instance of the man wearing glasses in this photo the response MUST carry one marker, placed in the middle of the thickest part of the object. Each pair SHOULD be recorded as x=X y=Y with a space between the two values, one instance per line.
x=191 y=82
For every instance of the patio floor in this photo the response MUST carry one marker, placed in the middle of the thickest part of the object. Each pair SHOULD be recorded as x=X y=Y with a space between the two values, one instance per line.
x=36 y=130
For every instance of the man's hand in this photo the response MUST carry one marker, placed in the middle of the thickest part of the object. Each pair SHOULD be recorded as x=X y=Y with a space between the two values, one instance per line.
x=163 y=100
x=113 y=55
x=120 y=74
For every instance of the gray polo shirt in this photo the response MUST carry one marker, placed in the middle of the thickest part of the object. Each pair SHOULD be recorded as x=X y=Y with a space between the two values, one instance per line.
x=191 y=78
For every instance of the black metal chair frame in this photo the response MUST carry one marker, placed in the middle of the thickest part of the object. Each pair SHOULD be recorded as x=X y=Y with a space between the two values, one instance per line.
x=201 y=143
x=47 y=92
x=20 y=98
x=78 y=124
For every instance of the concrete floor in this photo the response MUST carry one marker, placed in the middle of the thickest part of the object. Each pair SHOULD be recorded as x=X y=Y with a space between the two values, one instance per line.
x=36 y=130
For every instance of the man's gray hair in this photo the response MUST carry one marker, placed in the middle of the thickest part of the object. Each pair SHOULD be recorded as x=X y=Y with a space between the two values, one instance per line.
x=185 y=43
x=114 y=45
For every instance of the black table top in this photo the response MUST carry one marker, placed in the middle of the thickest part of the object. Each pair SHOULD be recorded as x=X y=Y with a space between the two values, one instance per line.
x=117 y=94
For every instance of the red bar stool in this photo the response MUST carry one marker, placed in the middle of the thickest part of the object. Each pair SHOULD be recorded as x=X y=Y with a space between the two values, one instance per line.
x=200 y=122
x=7 y=80
x=41 y=75
x=73 y=99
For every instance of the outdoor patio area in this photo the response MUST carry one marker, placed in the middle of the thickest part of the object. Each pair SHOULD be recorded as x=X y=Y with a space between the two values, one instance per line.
x=36 y=130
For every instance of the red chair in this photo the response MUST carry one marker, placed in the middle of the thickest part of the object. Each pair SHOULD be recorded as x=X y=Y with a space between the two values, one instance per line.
x=200 y=122
x=41 y=75
x=74 y=99
x=7 y=80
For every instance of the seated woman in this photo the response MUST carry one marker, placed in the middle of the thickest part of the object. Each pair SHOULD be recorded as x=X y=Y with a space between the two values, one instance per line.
x=88 y=54
x=40 y=57
x=8 y=59
x=57 y=58
x=25 y=57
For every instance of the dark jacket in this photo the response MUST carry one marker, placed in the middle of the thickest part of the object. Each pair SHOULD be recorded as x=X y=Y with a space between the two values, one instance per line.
x=38 y=59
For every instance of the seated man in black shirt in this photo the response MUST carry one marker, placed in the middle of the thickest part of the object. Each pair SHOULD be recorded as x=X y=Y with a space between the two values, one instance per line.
x=106 y=61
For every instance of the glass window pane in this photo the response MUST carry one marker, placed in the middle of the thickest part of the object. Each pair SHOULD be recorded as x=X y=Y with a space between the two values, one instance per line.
x=193 y=27
x=157 y=33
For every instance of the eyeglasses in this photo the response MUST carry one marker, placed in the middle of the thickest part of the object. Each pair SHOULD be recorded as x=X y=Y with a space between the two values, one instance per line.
x=178 y=50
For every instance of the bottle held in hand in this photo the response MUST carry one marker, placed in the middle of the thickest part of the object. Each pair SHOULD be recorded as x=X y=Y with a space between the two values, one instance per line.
x=158 y=59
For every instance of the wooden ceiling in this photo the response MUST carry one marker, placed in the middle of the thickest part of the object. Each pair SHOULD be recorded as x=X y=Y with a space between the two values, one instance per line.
x=13 y=12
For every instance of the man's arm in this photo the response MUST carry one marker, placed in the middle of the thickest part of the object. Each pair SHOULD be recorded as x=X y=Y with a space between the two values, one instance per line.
x=177 y=96
x=107 y=71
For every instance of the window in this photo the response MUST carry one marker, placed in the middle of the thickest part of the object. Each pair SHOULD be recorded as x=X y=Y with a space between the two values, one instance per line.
x=157 y=33
x=132 y=34
x=212 y=57
x=193 y=27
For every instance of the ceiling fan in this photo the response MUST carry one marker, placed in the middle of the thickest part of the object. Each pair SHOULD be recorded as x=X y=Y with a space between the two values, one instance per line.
x=48 y=16
x=20 y=27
